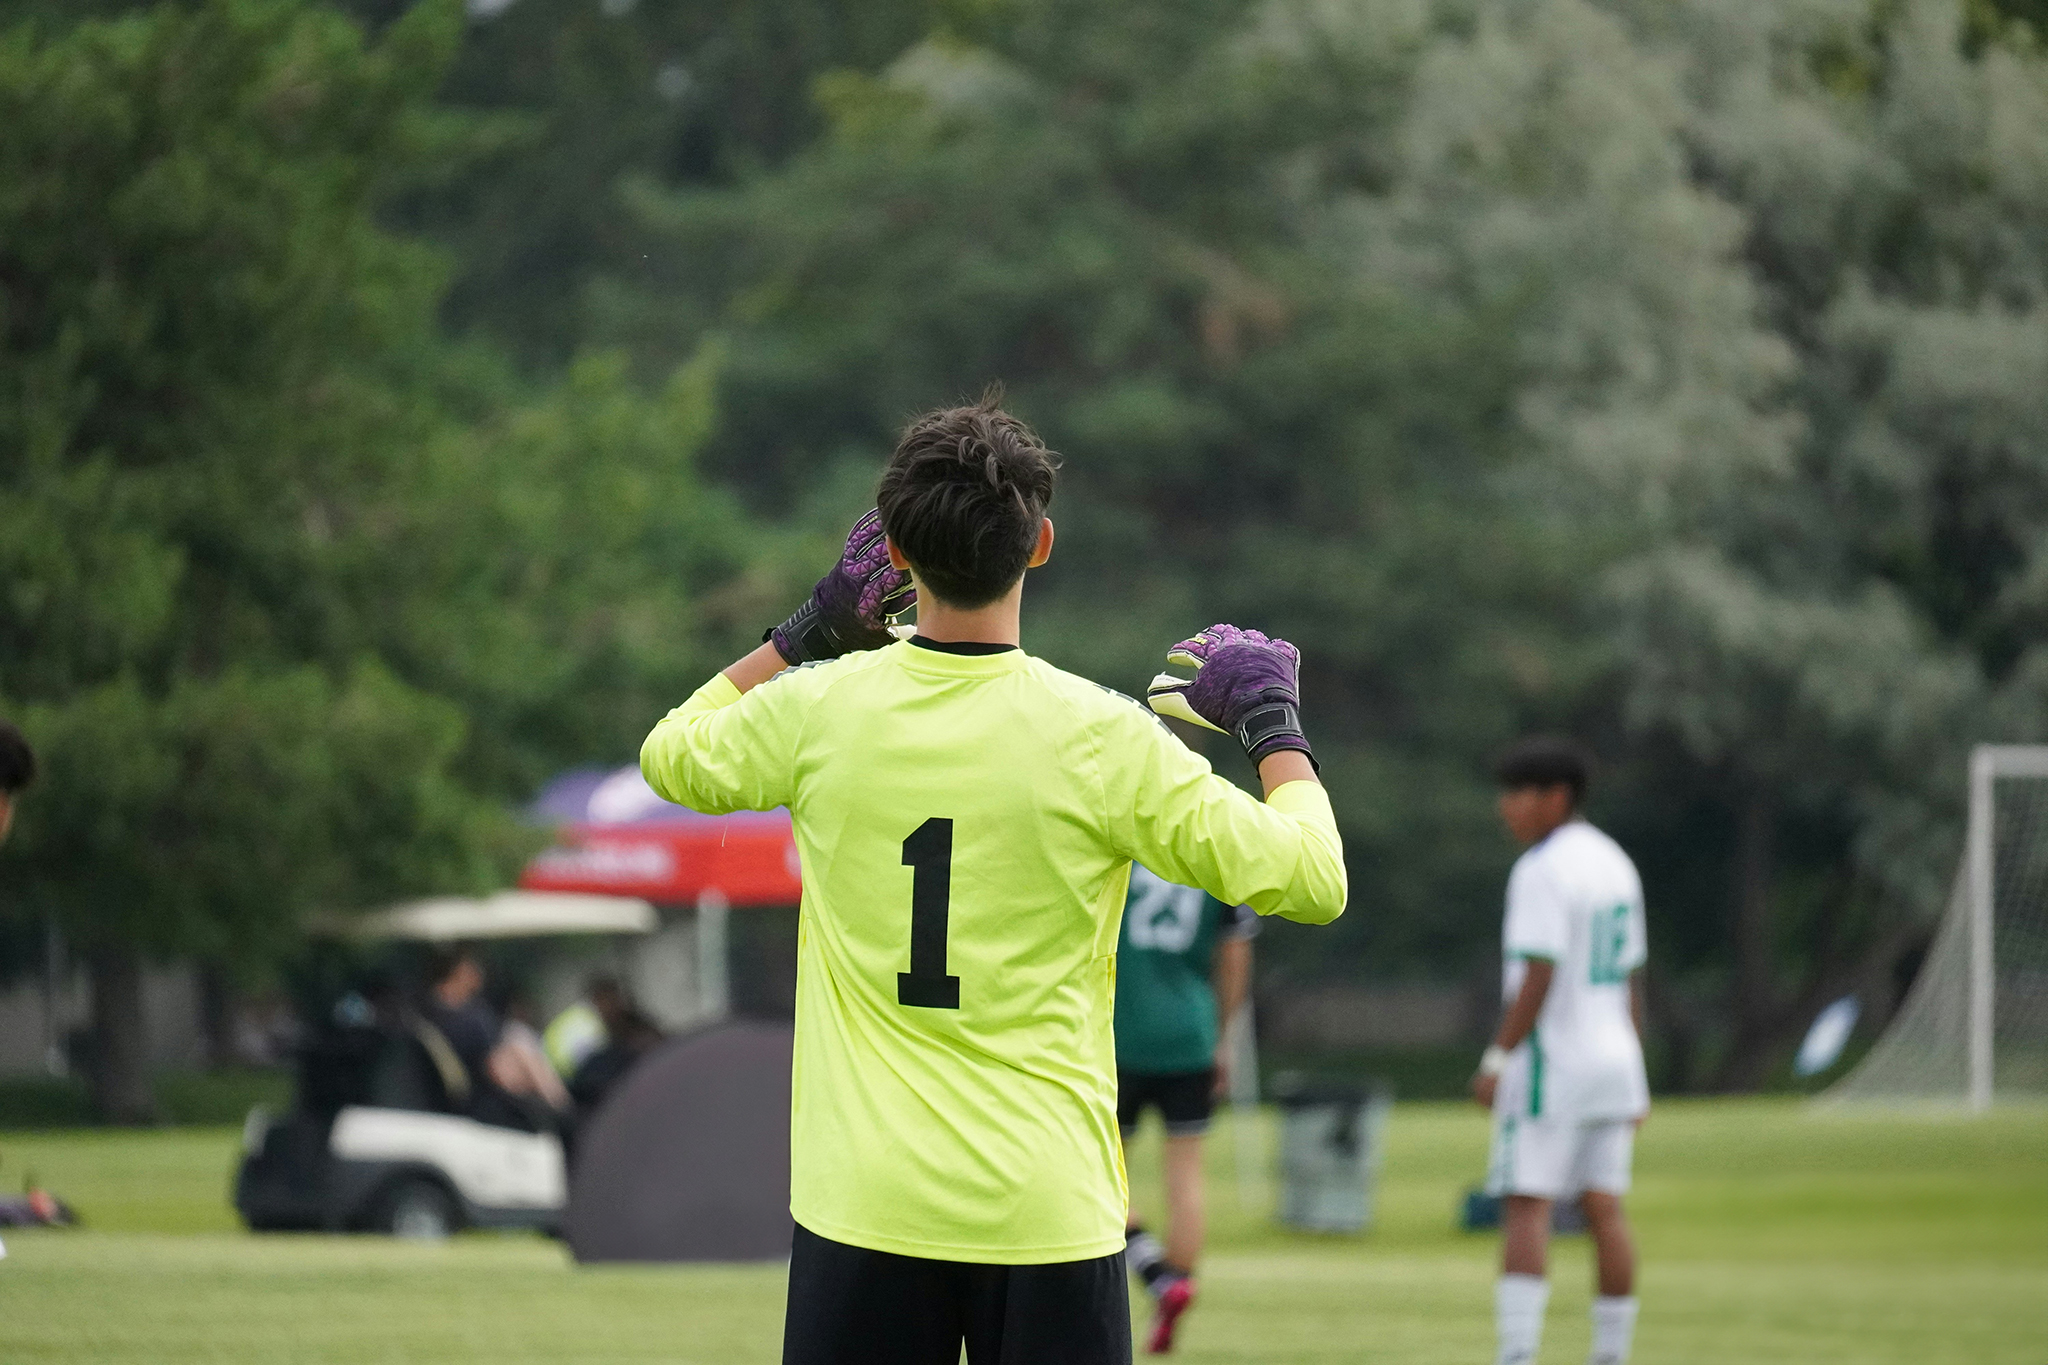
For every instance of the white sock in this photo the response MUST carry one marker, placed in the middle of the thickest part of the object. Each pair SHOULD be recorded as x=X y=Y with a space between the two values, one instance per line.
x=1614 y=1330
x=1518 y=1304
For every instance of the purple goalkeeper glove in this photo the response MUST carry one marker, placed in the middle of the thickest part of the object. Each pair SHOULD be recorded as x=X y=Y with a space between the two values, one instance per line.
x=852 y=606
x=1244 y=685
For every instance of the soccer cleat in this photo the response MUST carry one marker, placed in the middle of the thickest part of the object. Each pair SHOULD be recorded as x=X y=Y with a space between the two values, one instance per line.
x=1174 y=1300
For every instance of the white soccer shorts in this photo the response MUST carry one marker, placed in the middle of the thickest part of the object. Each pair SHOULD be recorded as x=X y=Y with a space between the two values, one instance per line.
x=1556 y=1158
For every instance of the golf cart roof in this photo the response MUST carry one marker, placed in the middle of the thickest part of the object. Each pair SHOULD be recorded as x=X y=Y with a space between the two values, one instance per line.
x=508 y=914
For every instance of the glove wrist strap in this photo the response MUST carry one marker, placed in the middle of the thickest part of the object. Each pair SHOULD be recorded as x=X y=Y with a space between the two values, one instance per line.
x=803 y=638
x=1270 y=727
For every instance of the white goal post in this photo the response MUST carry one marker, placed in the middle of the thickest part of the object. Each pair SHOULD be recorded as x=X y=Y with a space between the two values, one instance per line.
x=1974 y=1026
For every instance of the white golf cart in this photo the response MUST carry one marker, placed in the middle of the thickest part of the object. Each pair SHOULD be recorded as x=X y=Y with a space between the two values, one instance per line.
x=379 y=1138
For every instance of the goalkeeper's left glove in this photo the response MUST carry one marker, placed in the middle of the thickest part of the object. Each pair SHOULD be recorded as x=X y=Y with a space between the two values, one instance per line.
x=852 y=606
x=1244 y=685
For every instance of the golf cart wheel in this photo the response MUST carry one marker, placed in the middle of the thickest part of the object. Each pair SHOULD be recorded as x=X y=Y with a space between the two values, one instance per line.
x=418 y=1210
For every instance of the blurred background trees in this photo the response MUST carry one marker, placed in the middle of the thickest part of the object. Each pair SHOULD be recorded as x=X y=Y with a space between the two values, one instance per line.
x=299 y=596
x=1668 y=372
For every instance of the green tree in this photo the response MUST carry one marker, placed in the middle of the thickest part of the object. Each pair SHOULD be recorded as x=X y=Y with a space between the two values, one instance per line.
x=1137 y=218
x=582 y=97
x=1660 y=371
x=559 y=570
x=296 y=598
x=206 y=341
x=1825 y=637
x=1779 y=272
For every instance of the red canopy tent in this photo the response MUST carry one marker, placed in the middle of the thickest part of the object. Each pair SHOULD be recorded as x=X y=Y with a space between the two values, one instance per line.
x=613 y=835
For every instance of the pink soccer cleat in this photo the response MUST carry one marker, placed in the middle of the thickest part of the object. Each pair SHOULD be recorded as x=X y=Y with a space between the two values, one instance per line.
x=1174 y=1300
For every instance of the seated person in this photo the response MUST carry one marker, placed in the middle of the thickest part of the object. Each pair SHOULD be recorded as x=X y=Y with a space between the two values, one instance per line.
x=629 y=1035
x=461 y=1026
x=580 y=1030
x=487 y=1072
x=519 y=1064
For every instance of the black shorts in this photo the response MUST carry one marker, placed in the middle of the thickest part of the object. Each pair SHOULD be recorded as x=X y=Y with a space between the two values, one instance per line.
x=1185 y=1099
x=852 y=1306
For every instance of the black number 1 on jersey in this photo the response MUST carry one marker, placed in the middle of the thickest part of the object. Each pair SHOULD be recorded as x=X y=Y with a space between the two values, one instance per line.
x=929 y=850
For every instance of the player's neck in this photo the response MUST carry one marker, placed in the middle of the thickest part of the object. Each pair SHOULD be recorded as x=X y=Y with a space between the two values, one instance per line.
x=998 y=623
x=1545 y=831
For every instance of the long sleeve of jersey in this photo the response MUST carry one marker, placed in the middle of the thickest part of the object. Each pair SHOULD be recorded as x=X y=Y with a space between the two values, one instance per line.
x=1282 y=856
x=721 y=751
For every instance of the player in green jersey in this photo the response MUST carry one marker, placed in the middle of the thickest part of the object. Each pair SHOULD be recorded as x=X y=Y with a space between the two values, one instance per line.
x=966 y=817
x=1183 y=963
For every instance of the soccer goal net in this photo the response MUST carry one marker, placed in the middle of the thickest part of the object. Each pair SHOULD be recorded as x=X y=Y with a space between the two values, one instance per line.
x=1974 y=1026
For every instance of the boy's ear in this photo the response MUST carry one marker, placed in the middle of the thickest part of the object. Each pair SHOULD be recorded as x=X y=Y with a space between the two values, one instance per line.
x=1043 y=551
x=896 y=559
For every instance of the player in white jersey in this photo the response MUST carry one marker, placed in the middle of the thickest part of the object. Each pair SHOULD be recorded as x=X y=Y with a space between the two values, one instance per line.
x=1564 y=1076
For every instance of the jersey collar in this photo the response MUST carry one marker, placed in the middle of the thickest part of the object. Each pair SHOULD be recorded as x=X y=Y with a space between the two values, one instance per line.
x=946 y=663
x=968 y=648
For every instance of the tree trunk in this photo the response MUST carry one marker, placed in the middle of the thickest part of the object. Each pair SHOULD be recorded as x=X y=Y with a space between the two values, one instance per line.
x=1754 y=1007
x=217 y=1015
x=120 y=1072
x=1755 y=851
x=1669 y=1020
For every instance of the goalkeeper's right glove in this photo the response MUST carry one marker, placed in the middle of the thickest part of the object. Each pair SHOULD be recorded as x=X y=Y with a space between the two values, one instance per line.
x=1244 y=684
x=852 y=606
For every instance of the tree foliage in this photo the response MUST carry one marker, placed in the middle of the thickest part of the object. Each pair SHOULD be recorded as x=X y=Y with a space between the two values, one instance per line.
x=298 y=596
x=1828 y=637
x=1664 y=371
x=205 y=395
x=1669 y=371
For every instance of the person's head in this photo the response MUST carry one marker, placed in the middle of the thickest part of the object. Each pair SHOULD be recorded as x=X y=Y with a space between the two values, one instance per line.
x=607 y=997
x=963 y=500
x=17 y=770
x=1542 y=781
x=454 y=976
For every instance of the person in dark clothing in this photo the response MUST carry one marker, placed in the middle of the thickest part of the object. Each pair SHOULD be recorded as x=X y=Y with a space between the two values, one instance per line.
x=467 y=1025
x=490 y=1073
x=629 y=1036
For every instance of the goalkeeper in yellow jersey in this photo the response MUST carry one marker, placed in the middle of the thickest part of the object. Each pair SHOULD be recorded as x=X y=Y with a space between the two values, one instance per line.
x=967 y=817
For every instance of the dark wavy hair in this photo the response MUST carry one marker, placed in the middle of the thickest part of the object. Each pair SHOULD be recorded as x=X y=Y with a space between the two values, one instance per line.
x=963 y=497
x=1545 y=761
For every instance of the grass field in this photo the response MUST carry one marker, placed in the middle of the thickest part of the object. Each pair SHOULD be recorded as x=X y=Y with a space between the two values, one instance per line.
x=1769 y=1234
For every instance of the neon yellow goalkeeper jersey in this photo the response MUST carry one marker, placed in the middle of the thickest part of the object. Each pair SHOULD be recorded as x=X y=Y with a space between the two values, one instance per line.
x=966 y=825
